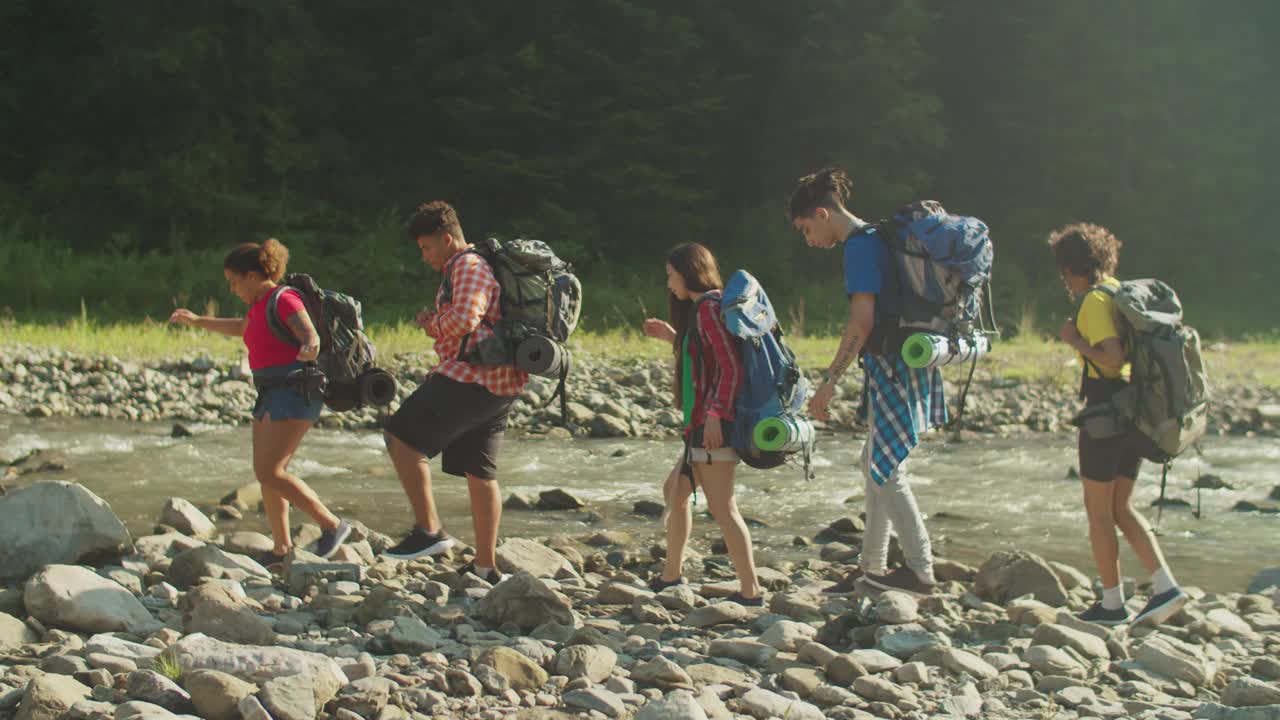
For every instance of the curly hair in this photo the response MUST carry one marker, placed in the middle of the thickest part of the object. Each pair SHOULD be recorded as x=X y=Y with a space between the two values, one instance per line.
x=1086 y=250
x=268 y=259
x=432 y=217
x=829 y=188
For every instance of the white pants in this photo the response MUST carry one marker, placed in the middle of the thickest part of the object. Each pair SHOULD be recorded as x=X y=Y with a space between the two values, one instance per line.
x=892 y=507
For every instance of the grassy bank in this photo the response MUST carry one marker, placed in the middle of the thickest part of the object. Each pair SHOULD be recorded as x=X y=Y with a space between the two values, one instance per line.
x=1030 y=356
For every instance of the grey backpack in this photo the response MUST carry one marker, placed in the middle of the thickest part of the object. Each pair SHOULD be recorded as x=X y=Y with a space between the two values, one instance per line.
x=1167 y=401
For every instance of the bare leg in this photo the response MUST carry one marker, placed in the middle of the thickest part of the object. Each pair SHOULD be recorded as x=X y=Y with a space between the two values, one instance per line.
x=1134 y=526
x=716 y=480
x=1098 y=504
x=679 y=520
x=486 y=516
x=274 y=443
x=415 y=478
x=277 y=511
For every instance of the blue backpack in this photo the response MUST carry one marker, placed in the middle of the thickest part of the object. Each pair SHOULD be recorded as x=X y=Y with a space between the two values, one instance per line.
x=773 y=387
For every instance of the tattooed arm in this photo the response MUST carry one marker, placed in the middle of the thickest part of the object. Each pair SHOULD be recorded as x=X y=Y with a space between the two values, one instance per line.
x=862 y=310
x=300 y=325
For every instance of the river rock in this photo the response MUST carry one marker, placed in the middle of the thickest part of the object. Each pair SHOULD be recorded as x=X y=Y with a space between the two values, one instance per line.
x=76 y=598
x=525 y=555
x=875 y=661
x=962 y=661
x=593 y=662
x=1010 y=574
x=896 y=608
x=525 y=601
x=788 y=636
x=1175 y=659
x=365 y=697
x=1250 y=692
x=289 y=698
x=52 y=523
x=1087 y=645
x=261 y=664
x=844 y=669
x=410 y=635
x=559 y=500
x=1231 y=623
x=208 y=561
x=878 y=689
x=597 y=699
x=49 y=697
x=903 y=641
x=609 y=426
x=216 y=695
x=745 y=650
x=523 y=673
x=150 y=686
x=1214 y=711
x=1052 y=661
x=119 y=648
x=717 y=614
x=244 y=498
x=761 y=703
x=186 y=518
x=14 y=632
x=1266 y=579
x=678 y=705
x=662 y=674
x=217 y=612
x=616 y=593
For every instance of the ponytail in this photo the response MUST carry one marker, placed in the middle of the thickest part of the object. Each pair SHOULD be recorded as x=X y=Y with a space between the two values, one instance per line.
x=268 y=259
x=829 y=188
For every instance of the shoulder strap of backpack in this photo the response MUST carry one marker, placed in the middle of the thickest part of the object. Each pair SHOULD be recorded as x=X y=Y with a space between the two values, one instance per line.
x=1084 y=368
x=274 y=322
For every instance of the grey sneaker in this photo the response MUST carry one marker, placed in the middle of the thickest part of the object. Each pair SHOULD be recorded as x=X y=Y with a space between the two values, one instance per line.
x=1161 y=607
x=1099 y=615
x=902 y=580
x=331 y=540
x=419 y=543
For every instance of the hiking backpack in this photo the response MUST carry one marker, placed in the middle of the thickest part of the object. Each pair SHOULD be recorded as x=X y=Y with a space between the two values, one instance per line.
x=1166 y=404
x=541 y=301
x=346 y=355
x=773 y=385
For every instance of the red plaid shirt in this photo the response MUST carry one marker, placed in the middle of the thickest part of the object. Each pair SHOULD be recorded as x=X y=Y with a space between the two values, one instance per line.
x=476 y=298
x=718 y=377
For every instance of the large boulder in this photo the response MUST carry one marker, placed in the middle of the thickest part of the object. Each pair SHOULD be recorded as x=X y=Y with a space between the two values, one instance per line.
x=186 y=518
x=50 y=697
x=1176 y=660
x=522 y=672
x=524 y=555
x=56 y=523
x=593 y=662
x=525 y=601
x=1011 y=574
x=214 y=610
x=217 y=695
x=1250 y=692
x=76 y=598
x=259 y=665
x=208 y=561
x=14 y=632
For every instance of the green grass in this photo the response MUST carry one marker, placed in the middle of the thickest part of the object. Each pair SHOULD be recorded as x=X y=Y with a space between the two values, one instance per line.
x=1029 y=357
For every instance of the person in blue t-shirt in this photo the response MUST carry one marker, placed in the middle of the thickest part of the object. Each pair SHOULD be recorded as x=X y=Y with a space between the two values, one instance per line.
x=901 y=402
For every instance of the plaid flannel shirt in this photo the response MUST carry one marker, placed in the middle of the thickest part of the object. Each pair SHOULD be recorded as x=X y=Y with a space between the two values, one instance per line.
x=903 y=402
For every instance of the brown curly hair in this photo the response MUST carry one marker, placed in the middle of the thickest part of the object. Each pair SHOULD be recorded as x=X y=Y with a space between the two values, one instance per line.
x=268 y=259
x=432 y=217
x=1086 y=250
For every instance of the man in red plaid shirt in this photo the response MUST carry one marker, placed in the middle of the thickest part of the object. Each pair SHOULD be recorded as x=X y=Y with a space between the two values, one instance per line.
x=460 y=411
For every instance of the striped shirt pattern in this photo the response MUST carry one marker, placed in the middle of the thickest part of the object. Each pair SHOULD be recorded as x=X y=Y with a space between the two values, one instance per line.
x=903 y=403
x=718 y=369
x=476 y=301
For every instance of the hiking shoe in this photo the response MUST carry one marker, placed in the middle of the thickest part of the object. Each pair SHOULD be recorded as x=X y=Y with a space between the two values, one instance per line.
x=1161 y=607
x=1099 y=615
x=491 y=575
x=331 y=540
x=901 y=580
x=271 y=560
x=757 y=601
x=420 y=543
x=658 y=584
x=848 y=585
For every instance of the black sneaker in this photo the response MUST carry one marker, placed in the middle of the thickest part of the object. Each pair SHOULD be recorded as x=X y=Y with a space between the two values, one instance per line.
x=491 y=575
x=757 y=601
x=658 y=584
x=420 y=543
x=1161 y=607
x=847 y=585
x=271 y=560
x=902 y=580
x=1099 y=615
x=331 y=540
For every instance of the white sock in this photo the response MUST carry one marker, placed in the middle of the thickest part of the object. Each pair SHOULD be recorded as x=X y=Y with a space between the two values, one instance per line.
x=484 y=572
x=1162 y=581
x=1113 y=598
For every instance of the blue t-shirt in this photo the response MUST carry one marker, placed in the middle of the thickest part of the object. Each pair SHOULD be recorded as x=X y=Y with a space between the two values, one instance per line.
x=865 y=257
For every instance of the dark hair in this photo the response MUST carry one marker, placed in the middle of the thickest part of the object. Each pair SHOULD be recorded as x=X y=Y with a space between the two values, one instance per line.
x=268 y=259
x=432 y=217
x=701 y=273
x=1087 y=250
x=829 y=188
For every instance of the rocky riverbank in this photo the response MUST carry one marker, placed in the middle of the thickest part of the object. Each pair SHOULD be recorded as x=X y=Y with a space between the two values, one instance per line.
x=627 y=398
x=95 y=624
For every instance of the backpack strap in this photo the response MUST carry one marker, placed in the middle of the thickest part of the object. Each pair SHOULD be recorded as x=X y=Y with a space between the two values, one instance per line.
x=447 y=289
x=1084 y=366
x=274 y=322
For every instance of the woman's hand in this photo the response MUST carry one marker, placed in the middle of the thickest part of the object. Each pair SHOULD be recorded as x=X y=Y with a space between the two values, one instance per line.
x=660 y=329
x=1070 y=335
x=309 y=350
x=821 y=400
x=183 y=316
x=712 y=435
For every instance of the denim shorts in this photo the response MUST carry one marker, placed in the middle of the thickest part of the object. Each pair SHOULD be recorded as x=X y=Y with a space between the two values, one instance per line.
x=284 y=402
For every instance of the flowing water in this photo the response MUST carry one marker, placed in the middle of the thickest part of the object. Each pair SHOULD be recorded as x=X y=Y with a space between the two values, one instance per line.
x=978 y=496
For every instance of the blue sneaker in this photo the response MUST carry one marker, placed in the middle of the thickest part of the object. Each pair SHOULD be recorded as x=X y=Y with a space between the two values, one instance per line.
x=331 y=540
x=1162 y=606
x=1099 y=615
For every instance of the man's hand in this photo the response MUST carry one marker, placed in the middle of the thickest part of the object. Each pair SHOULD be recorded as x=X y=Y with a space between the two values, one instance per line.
x=820 y=400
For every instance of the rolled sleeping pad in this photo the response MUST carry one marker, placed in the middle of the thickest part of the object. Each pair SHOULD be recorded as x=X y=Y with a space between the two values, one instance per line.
x=377 y=387
x=923 y=350
x=782 y=433
x=540 y=355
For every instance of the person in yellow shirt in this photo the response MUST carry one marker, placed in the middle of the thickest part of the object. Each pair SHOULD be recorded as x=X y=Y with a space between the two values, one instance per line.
x=1087 y=256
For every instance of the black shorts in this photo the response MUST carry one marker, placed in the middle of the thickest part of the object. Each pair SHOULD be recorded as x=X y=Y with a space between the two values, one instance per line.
x=462 y=421
x=1103 y=460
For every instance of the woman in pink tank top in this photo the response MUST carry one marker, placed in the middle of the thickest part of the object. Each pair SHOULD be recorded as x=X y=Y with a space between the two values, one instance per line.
x=285 y=409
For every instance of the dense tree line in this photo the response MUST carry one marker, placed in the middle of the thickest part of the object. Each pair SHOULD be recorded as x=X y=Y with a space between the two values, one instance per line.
x=617 y=128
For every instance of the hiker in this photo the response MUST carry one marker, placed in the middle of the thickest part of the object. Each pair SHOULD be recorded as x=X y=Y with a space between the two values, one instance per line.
x=705 y=389
x=1087 y=256
x=900 y=402
x=460 y=411
x=288 y=402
